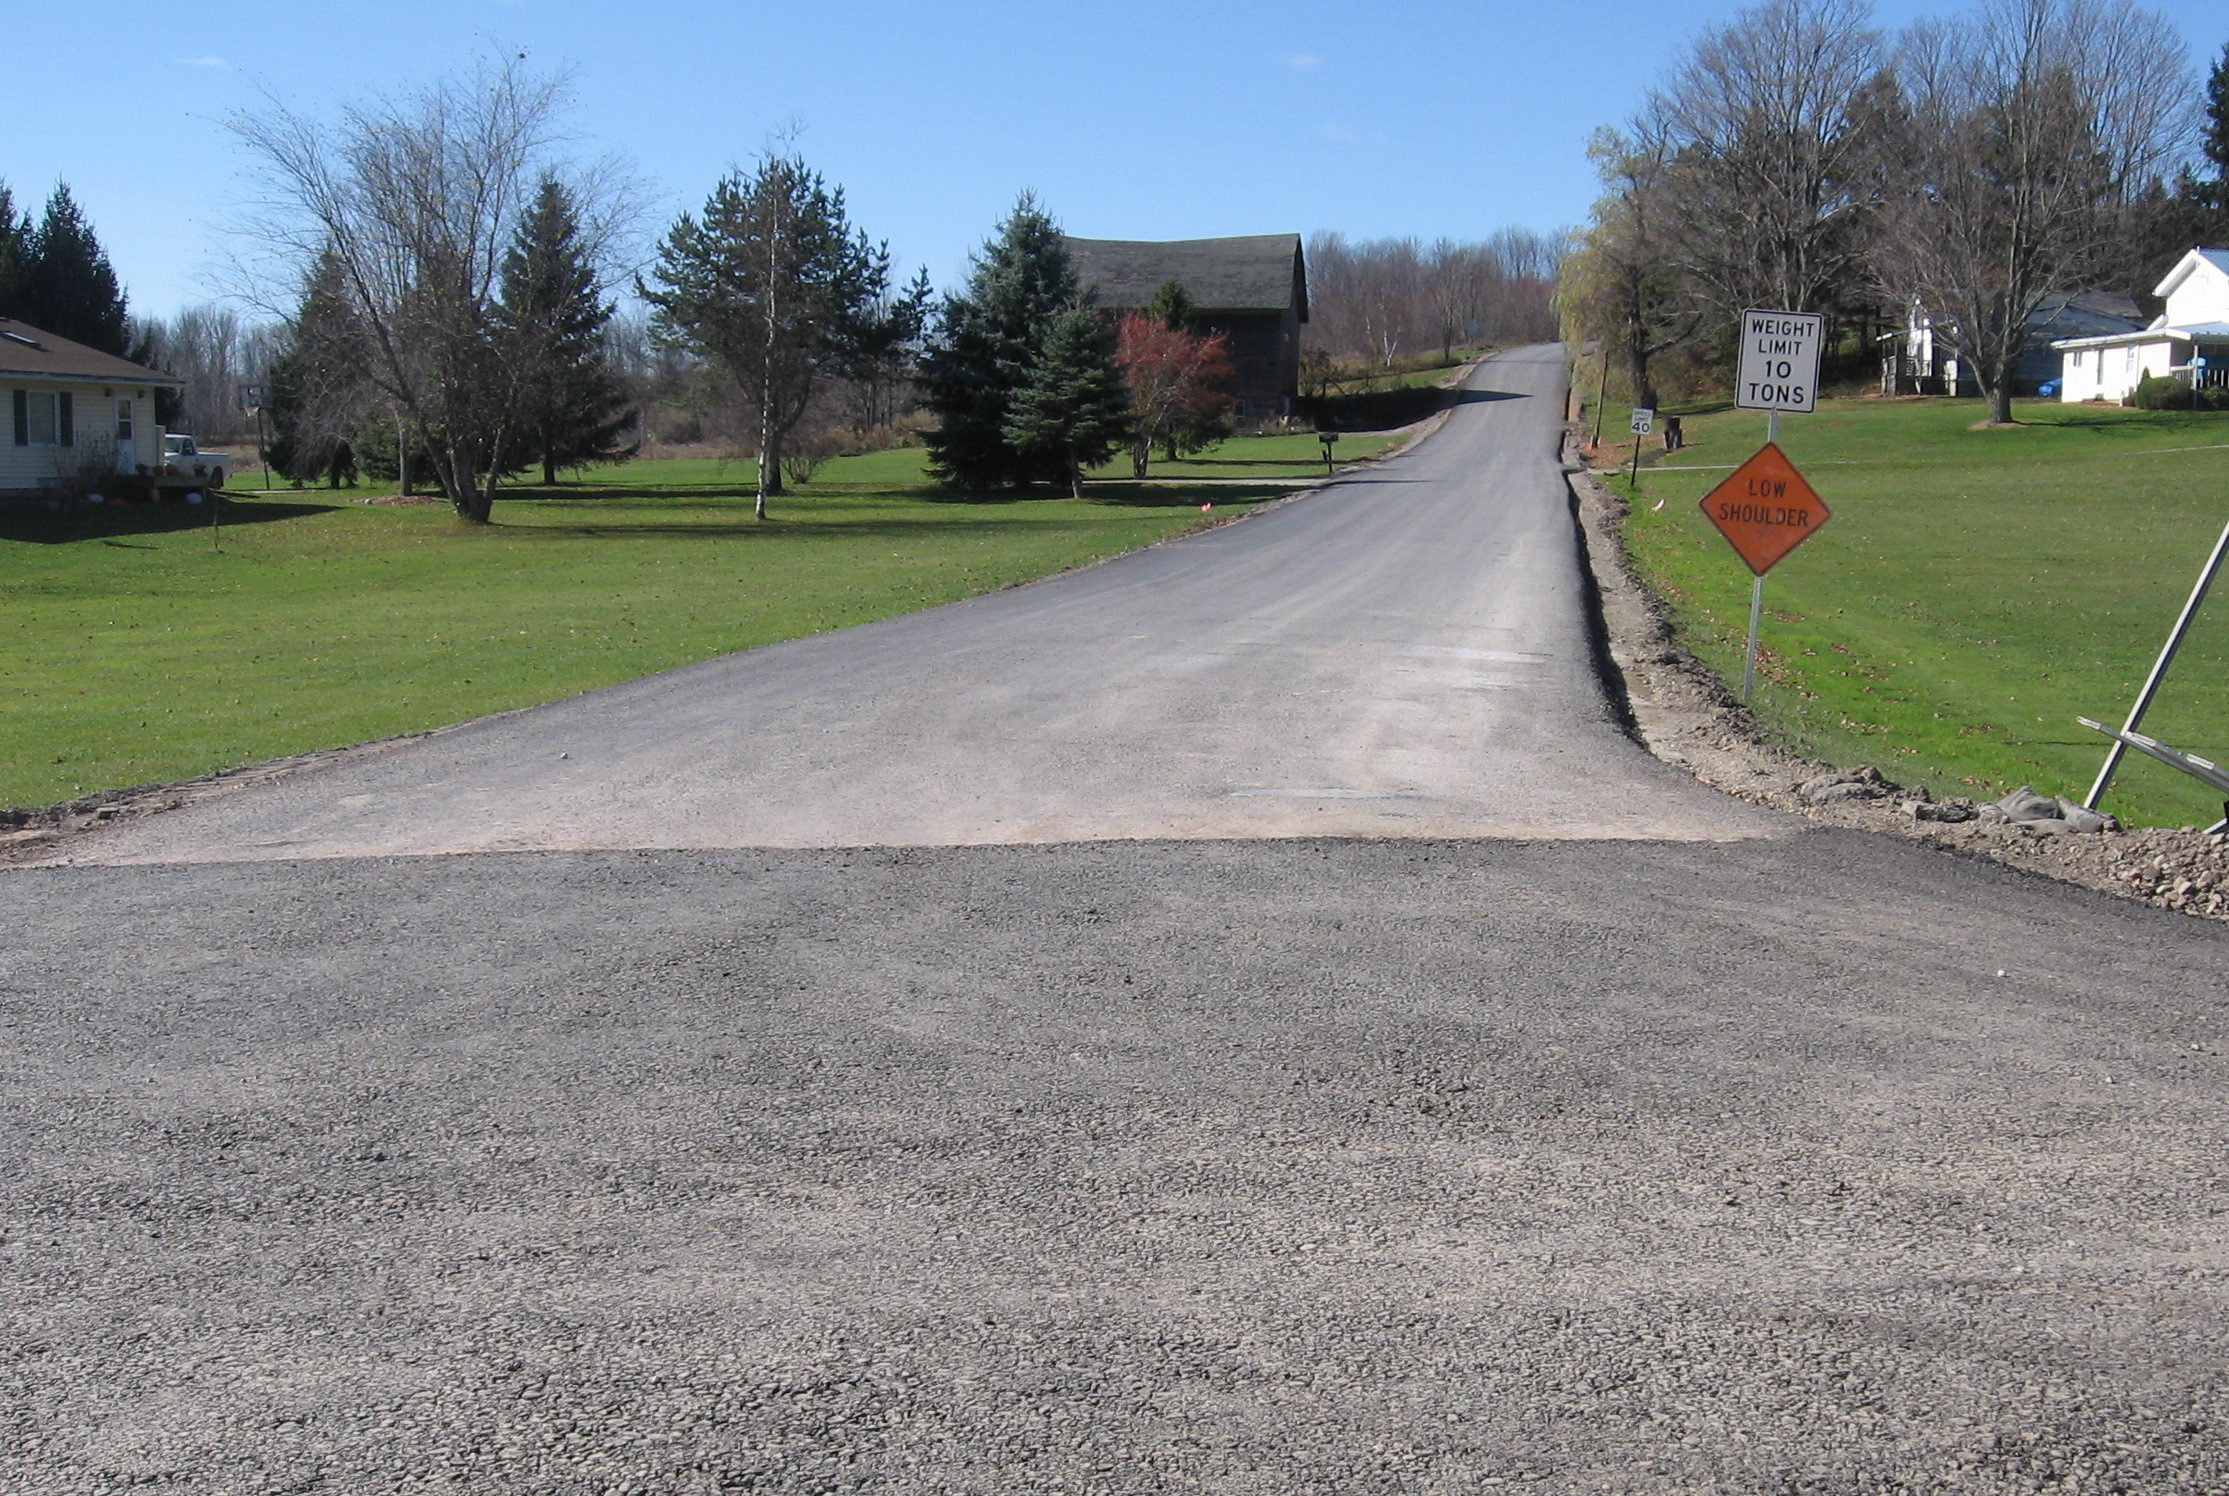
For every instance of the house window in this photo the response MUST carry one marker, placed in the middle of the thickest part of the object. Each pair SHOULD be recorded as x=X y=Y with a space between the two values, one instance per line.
x=124 y=422
x=44 y=418
x=2077 y=358
x=2129 y=362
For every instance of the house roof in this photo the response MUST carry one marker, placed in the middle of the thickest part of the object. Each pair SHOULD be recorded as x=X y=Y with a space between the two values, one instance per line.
x=2217 y=259
x=2184 y=332
x=2106 y=304
x=27 y=352
x=2105 y=307
x=1252 y=273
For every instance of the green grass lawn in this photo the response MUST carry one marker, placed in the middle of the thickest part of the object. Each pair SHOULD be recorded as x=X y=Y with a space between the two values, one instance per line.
x=132 y=652
x=1974 y=592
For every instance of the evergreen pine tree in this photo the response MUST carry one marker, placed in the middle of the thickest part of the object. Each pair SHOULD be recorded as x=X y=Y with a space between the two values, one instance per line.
x=15 y=258
x=2213 y=135
x=573 y=408
x=72 y=290
x=993 y=333
x=774 y=286
x=317 y=394
x=1172 y=306
x=1071 y=408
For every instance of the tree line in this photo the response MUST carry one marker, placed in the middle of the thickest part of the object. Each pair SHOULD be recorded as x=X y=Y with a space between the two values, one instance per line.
x=448 y=283
x=452 y=305
x=55 y=275
x=1379 y=301
x=1974 y=167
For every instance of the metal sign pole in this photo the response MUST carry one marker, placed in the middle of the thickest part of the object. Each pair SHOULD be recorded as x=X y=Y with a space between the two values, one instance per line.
x=1757 y=592
x=2159 y=667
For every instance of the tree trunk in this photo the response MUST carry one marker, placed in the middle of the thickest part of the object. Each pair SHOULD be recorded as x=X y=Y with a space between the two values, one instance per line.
x=2000 y=404
x=773 y=460
x=549 y=470
x=1075 y=478
x=1140 y=451
x=460 y=481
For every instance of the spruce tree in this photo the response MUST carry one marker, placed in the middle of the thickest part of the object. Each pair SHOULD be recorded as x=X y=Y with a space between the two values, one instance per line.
x=1172 y=306
x=572 y=407
x=1071 y=410
x=2213 y=135
x=15 y=258
x=993 y=333
x=317 y=393
x=72 y=290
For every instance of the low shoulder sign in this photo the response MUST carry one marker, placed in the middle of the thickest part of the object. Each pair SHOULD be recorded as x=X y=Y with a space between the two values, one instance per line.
x=1765 y=509
x=1779 y=361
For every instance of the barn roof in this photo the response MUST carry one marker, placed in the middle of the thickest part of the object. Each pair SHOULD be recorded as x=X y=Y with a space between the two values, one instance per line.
x=1251 y=273
x=27 y=352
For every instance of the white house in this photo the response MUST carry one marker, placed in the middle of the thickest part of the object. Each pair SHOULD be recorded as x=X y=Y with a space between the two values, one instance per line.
x=2189 y=340
x=71 y=412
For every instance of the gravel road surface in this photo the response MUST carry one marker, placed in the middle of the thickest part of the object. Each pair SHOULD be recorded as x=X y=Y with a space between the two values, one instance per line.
x=1519 y=1114
x=1235 y=1167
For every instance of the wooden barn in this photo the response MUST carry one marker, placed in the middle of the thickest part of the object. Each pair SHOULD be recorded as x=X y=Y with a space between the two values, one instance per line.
x=1252 y=289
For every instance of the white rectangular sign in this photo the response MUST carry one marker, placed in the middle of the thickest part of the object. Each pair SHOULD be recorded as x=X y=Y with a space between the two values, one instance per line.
x=1644 y=420
x=1779 y=360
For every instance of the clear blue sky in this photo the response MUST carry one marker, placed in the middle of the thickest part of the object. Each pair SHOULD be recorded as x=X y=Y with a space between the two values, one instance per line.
x=1130 y=120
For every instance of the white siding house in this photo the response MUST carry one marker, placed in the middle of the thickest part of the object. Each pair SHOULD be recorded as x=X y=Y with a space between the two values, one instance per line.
x=2189 y=340
x=69 y=412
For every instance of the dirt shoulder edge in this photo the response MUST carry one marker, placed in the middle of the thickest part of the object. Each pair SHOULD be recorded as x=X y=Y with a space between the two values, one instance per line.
x=1685 y=716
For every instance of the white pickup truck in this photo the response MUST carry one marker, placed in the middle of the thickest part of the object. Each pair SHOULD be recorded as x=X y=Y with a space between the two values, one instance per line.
x=184 y=467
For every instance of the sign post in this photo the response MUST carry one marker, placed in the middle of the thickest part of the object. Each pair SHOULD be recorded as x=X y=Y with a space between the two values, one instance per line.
x=1764 y=509
x=251 y=396
x=1779 y=371
x=1643 y=422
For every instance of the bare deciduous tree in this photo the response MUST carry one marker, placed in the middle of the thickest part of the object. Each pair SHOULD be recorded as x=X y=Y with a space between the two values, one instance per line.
x=2033 y=126
x=1766 y=138
x=1379 y=300
x=417 y=200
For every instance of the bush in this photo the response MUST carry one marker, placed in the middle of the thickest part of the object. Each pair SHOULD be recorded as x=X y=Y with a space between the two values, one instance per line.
x=2163 y=392
x=2216 y=398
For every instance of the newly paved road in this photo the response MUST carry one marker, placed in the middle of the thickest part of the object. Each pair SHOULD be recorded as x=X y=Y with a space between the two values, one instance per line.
x=1727 y=1155
x=1403 y=654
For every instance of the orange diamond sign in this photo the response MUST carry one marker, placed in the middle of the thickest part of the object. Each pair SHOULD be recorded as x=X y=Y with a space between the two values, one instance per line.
x=1765 y=510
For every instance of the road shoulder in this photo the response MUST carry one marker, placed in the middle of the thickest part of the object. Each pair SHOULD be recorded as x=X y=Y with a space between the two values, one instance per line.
x=1685 y=716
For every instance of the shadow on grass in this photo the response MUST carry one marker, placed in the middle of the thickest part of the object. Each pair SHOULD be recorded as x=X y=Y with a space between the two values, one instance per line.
x=1132 y=493
x=597 y=492
x=31 y=521
x=966 y=517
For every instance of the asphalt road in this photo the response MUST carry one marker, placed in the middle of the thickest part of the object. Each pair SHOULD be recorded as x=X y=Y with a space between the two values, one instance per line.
x=1402 y=654
x=1725 y=1155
